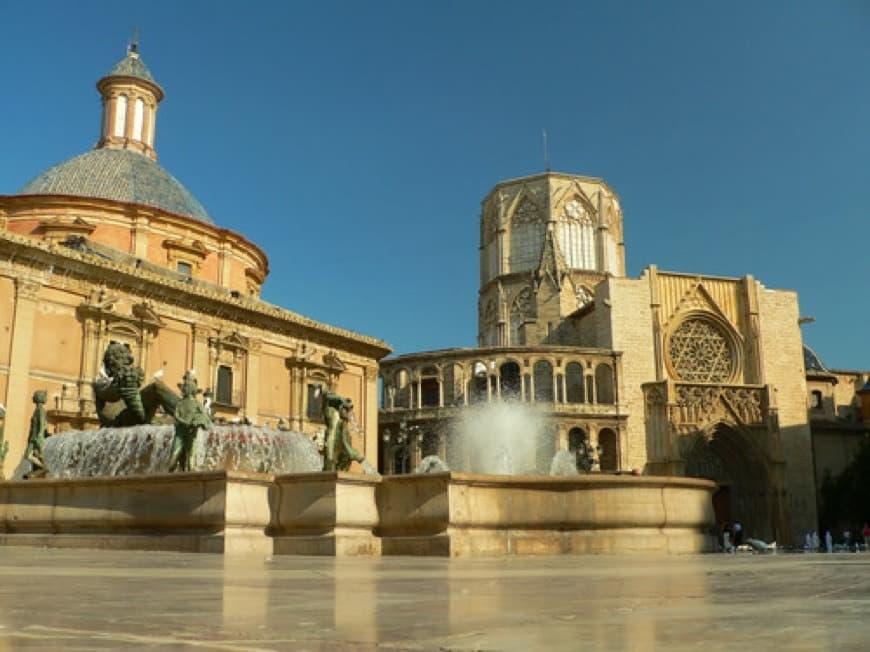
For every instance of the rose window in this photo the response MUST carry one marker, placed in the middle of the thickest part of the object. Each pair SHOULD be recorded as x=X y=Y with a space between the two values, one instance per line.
x=700 y=352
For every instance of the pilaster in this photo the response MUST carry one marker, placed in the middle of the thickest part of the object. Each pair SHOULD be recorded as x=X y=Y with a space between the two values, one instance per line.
x=18 y=384
x=252 y=380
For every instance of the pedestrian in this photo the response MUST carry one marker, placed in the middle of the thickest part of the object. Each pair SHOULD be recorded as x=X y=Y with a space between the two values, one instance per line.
x=737 y=532
x=816 y=541
x=829 y=541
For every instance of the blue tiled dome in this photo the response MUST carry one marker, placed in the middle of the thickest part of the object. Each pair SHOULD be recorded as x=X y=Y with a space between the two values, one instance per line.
x=120 y=175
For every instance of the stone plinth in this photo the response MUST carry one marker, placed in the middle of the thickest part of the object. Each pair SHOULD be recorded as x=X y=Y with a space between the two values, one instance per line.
x=325 y=514
x=460 y=514
x=194 y=512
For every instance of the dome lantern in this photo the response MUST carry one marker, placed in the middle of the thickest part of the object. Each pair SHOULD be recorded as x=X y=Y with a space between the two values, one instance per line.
x=130 y=99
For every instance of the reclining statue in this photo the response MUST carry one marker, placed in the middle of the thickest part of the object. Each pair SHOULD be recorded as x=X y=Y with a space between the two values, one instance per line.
x=123 y=382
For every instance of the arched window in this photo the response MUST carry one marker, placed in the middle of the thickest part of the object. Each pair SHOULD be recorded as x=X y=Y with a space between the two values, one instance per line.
x=477 y=386
x=138 y=118
x=120 y=116
x=509 y=381
x=521 y=309
x=609 y=456
x=489 y=323
x=527 y=237
x=576 y=438
x=430 y=387
x=544 y=382
x=403 y=389
x=574 y=382
x=604 y=383
x=576 y=235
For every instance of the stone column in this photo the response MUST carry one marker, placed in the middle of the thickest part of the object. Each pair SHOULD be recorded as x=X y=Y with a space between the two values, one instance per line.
x=131 y=112
x=18 y=403
x=252 y=380
x=89 y=362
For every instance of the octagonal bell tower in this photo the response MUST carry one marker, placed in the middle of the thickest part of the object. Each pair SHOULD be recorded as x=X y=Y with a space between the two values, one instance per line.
x=545 y=242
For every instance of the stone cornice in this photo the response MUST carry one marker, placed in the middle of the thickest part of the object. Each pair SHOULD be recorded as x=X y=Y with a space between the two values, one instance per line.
x=193 y=227
x=16 y=248
x=487 y=352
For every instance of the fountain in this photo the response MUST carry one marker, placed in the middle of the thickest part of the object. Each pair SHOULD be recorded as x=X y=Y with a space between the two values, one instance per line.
x=146 y=449
x=243 y=489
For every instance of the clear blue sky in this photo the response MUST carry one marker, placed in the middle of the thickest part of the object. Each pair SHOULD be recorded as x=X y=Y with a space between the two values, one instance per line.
x=354 y=141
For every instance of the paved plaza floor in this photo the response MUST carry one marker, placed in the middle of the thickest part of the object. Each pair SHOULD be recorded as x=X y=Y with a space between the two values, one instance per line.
x=104 y=600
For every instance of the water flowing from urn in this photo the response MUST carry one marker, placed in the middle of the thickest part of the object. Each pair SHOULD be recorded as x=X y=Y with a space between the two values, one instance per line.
x=146 y=449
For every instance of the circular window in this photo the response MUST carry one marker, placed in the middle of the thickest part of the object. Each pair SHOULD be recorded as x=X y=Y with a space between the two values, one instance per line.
x=699 y=351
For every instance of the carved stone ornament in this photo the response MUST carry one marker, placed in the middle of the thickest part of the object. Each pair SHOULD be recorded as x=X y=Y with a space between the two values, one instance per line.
x=584 y=296
x=699 y=351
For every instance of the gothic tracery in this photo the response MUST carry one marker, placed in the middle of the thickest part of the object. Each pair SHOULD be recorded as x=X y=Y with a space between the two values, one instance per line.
x=699 y=352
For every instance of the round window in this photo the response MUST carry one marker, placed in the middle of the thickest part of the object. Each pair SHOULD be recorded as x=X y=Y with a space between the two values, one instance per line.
x=699 y=351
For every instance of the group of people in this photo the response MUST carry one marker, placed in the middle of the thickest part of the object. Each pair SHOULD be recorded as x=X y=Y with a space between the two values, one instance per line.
x=846 y=543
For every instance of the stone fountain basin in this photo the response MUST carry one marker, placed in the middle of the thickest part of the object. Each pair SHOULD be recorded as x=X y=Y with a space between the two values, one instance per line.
x=345 y=514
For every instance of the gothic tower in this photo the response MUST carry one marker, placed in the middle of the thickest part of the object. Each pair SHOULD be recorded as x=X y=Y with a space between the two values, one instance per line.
x=545 y=242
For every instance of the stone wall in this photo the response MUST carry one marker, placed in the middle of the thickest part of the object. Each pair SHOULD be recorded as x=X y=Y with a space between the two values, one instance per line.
x=781 y=345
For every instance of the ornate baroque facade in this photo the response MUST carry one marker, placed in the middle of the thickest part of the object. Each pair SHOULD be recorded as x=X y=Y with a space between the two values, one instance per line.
x=109 y=246
x=669 y=373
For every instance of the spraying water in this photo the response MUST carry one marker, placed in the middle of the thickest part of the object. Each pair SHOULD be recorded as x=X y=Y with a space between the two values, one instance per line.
x=503 y=438
x=146 y=449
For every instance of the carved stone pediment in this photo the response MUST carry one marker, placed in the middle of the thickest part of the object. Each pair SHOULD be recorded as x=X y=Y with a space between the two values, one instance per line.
x=332 y=362
x=182 y=246
x=145 y=312
x=60 y=228
x=232 y=341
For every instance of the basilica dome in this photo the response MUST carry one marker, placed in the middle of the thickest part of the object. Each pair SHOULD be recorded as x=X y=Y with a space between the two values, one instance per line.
x=123 y=167
x=120 y=175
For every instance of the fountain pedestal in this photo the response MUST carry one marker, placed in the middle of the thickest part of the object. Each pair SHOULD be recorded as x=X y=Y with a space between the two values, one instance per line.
x=344 y=514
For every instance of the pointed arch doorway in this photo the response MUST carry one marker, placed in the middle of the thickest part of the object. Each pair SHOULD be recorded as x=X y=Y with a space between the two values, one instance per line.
x=742 y=473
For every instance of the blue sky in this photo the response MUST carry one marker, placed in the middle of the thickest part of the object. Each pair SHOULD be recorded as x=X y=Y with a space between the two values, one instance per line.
x=354 y=141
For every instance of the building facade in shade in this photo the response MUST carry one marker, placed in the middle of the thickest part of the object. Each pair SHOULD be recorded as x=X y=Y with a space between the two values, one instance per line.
x=109 y=246
x=669 y=373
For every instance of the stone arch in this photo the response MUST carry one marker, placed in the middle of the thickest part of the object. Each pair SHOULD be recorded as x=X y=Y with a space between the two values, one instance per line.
x=608 y=445
x=526 y=235
x=521 y=310
x=703 y=347
x=543 y=378
x=730 y=457
x=575 y=232
x=478 y=382
x=430 y=386
x=574 y=389
x=510 y=380
x=604 y=384
x=402 y=384
x=489 y=323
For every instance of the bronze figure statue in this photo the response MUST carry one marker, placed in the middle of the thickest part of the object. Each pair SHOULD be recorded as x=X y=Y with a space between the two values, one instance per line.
x=37 y=435
x=190 y=416
x=123 y=382
x=338 y=454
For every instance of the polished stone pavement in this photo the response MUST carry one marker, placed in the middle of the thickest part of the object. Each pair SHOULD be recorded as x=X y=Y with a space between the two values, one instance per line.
x=105 y=600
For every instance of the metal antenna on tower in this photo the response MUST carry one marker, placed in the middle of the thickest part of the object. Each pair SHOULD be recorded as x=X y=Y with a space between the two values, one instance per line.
x=546 y=150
